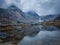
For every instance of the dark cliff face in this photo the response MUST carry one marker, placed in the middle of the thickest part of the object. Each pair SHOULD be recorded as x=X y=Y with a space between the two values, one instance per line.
x=11 y=15
x=57 y=21
x=33 y=14
x=49 y=17
x=57 y=18
x=6 y=16
x=16 y=9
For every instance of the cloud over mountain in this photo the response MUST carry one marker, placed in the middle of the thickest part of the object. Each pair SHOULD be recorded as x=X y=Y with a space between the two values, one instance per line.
x=41 y=7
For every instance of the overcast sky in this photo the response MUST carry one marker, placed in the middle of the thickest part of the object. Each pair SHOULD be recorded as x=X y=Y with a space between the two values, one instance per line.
x=42 y=7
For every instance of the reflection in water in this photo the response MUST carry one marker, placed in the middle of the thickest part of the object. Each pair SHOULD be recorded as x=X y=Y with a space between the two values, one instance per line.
x=39 y=35
x=49 y=28
x=43 y=38
x=47 y=36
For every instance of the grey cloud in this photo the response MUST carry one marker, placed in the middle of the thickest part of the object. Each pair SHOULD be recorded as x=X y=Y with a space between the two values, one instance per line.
x=42 y=7
x=53 y=5
x=6 y=3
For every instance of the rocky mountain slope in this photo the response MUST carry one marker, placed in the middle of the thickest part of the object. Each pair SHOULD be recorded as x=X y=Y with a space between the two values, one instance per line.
x=13 y=15
x=48 y=17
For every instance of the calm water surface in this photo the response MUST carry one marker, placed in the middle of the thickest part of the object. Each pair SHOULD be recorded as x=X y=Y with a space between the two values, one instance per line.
x=49 y=35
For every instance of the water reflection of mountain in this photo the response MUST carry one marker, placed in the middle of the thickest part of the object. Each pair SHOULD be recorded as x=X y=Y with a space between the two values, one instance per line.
x=49 y=28
x=43 y=38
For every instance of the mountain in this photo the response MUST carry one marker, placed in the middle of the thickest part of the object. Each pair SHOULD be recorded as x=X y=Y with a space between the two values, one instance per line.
x=52 y=20
x=32 y=16
x=13 y=15
x=57 y=18
x=48 y=17
x=29 y=17
x=16 y=9
x=5 y=16
x=57 y=21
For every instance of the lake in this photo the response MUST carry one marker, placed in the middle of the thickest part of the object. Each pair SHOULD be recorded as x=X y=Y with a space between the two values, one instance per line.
x=49 y=35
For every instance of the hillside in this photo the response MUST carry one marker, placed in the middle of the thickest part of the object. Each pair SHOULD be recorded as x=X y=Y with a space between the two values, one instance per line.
x=14 y=15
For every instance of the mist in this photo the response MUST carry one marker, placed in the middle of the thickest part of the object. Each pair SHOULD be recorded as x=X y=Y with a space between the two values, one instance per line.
x=42 y=7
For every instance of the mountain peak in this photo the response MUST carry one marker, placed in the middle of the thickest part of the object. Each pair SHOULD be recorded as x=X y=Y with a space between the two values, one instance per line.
x=16 y=9
x=13 y=7
x=33 y=13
